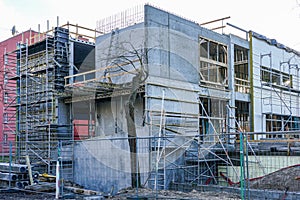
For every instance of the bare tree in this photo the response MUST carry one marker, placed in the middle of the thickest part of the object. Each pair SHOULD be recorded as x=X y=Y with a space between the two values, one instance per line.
x=131 y=57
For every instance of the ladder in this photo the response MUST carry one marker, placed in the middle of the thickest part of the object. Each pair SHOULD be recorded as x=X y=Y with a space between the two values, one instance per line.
x=160 y=162
x=157 y=174
x=113 y=45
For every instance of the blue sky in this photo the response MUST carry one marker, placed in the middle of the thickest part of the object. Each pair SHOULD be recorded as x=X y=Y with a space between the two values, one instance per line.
x=278 y=19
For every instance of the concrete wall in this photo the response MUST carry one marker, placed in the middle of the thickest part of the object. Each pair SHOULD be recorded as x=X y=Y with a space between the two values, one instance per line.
x=102 y=164
x=174 y=60
x=111 y=118
x=115 y=48
x=175 y=44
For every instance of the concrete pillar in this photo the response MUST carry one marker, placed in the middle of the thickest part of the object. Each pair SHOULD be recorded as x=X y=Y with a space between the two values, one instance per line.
x=231 y=87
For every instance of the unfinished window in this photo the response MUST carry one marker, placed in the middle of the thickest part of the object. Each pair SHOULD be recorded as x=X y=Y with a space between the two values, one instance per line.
x=241 y=72
x=213 y=73
x=215 y=111
x=213 y=63
x=295 y=126
x=265 y=74
x=241 y=63
x=213 y=51
x=222 y=54
x=287 y=80
x=276 y=122
x=275 y=77
x=203 y=48
x=204 y=70
x=242 y=115
x=240 y=54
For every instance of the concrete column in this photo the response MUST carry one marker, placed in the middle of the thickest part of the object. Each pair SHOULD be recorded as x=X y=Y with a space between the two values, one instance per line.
x=231 y=87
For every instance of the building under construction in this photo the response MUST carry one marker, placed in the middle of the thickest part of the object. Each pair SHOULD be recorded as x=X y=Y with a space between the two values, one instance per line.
x=168 y=99
x=38 y=69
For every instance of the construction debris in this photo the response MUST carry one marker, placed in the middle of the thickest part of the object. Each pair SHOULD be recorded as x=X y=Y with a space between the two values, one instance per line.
x=6 y=167
x=47 y=178
x=29 y=169
x=42 y=187
x=16 y=175
x=47 y=184
x=81 y=191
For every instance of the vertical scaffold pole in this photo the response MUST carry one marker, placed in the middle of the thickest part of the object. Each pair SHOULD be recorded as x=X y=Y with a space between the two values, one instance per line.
x=242 y=165
x=57 y=180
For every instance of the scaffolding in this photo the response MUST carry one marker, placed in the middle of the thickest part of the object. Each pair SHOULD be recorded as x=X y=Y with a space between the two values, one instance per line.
x=9 y=96
x=34 y=92
x=279 y=95
x=8 y=84
x=41 y=68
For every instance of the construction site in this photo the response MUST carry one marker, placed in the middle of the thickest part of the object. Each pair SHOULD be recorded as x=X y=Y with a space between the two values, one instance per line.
x=150 y=105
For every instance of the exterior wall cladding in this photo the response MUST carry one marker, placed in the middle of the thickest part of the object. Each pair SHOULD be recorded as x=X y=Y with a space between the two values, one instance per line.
x=197 y=72
x=6 y=46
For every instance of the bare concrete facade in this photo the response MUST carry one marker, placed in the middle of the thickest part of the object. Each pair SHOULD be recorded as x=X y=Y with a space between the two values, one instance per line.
x=200 y=83
x=176 y=84
x=204 y=83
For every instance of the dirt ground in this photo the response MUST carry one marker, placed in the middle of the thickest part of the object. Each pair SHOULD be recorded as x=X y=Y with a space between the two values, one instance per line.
x=128 y=194
x=283 y=179
x=19 y=195
x=286 y=179
x=166 y=194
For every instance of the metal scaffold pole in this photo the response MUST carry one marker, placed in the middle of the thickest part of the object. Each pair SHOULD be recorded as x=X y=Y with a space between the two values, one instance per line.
x=47 y=119
x=26 y=95
x=158 y=154
x=242 y=186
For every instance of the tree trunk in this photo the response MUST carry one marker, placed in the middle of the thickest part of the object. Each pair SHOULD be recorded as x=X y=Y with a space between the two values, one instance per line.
x=132 y=136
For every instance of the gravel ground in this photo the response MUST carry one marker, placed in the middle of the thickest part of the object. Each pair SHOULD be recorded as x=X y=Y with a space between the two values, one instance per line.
x=122 y=195
x=167 y=194
x=283 y=179
x=20 y=195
